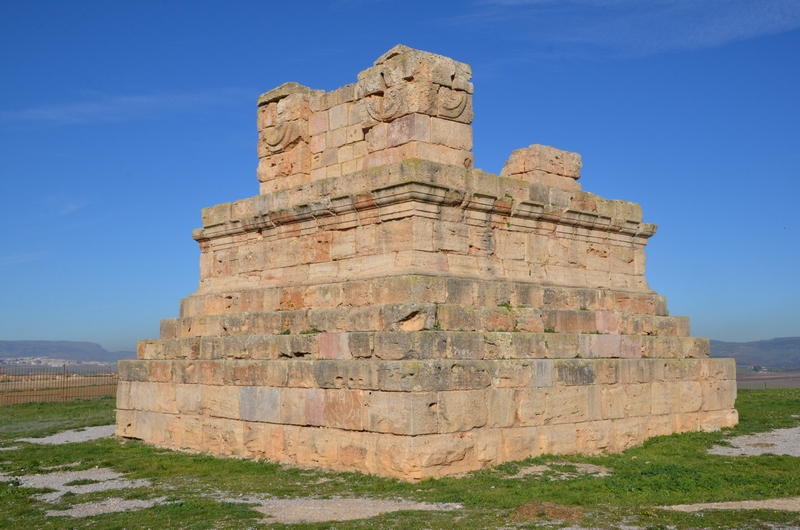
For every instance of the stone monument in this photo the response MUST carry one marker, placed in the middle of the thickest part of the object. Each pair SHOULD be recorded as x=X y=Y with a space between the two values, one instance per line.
x=384 y=307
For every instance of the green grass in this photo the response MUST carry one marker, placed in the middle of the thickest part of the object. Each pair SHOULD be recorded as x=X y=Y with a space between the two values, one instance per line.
x=42 y=419
x=665 y=470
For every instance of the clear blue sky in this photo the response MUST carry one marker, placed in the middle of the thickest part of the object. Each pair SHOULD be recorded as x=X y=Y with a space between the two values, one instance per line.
x=119 y=121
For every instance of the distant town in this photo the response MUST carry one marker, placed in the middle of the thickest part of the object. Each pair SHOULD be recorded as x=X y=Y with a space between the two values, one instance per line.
x=47 y=361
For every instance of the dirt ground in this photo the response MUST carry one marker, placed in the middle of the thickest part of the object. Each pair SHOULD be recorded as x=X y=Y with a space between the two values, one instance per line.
x=311 y=510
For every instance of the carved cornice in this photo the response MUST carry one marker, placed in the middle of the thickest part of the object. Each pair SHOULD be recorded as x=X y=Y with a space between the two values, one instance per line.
x=418 y=197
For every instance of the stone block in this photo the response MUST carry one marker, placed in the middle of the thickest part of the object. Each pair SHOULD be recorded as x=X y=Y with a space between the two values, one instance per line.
x=344 y=409
x=409 y=128
x=262 y=404
x=629 y=432
x=566 y=404
x=530 y=406
x=574 y=373
x=451 y=133
x=502 y=409
x=594 y=437
x=403 y=413
x=220 y=401
x=558 y=439
x=691 y=396
x=317 y=447
x=665 y=398
x=520 y=443
x=409 y=316
x=334 y=346
x=462 y=410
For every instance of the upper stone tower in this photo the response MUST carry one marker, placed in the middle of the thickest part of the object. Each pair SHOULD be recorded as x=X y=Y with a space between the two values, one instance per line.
x=410 y=104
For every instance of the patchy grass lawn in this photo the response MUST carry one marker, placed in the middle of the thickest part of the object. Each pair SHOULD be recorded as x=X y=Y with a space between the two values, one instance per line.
x=201 y=492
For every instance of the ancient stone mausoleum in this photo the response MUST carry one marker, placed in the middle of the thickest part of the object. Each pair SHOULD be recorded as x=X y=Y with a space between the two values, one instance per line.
x=383 y=307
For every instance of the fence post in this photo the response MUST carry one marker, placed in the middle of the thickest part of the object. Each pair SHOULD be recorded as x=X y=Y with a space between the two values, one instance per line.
x=64 y=383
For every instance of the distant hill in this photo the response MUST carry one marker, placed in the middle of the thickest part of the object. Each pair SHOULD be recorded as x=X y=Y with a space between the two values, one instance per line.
x=60 y=349
x=776 y=353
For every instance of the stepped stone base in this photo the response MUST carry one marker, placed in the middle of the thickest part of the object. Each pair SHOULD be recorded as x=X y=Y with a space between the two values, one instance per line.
x=421 y=418
x=384 y=307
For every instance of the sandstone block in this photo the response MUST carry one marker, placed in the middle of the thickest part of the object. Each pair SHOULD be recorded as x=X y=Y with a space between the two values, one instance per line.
x=401 y=413
x=409 y=128
x=558 y=439
x=451 y=134
x=461 y=410
x=259 y=404
x=334 y=346
x=594 y=437
x=502 y=409
x=566 y=405
x=344 y=409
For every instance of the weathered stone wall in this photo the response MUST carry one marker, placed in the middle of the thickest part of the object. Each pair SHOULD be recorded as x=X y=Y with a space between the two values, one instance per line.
x=382 y=306
x=411 y=104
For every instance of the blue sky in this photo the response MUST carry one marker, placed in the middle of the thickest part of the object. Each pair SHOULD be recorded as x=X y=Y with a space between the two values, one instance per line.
x=119 y=121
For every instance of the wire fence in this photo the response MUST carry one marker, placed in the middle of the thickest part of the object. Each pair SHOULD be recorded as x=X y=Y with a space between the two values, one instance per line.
x=27 y=384
x=770 y=383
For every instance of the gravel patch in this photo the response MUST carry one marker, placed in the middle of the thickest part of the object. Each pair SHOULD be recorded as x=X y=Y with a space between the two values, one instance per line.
x=310 y=510
x=554 y=473
x=111 y=505
x=74 y=436
x=777 y=442
x=790 y=504
x=287 y=511
x=102 y=480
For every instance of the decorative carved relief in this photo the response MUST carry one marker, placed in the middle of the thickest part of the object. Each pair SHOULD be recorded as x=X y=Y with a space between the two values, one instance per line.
x=282 y=136
x=452 y=102
x=386 y=108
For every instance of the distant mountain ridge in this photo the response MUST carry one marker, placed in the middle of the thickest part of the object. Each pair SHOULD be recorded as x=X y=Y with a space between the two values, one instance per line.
x=60 y=349
x=782 y=352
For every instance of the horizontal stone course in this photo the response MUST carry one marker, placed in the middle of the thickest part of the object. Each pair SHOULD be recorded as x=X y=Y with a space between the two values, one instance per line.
x=424 y=182
x=422 y=289
x=418 y=316
x=430 y=374
x=398 y=345
x=575 y=397
x=407 y=457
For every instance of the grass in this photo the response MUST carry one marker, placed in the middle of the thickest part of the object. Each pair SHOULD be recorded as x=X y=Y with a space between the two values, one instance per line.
x=665 y=470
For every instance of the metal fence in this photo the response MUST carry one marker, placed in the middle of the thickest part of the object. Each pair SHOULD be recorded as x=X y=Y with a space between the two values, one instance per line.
x=26 y=384
x=770 y=383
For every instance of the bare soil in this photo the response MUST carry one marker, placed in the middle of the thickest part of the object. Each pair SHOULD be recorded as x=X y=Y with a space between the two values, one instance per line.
x=536 y=510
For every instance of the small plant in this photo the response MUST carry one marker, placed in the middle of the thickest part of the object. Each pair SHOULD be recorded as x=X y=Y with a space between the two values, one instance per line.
x=82 y=482
x=311 y=331
x=437 y=327
x=507 y=305
x=549 y=330
x=285 y=332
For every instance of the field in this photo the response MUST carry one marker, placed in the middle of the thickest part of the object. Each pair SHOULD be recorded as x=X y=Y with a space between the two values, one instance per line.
x=200 y=492
x=758 y=380
x=25 y=384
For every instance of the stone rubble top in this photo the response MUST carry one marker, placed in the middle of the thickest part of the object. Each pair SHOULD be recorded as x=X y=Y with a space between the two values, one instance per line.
x=283 y=91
